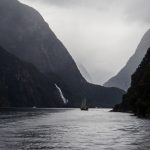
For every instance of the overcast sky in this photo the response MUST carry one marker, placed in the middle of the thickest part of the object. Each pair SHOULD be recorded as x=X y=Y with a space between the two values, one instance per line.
x=101 y=35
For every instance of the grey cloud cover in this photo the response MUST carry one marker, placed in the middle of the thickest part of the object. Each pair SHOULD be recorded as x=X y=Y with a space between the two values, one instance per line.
x=139 y=10
x=133 y=9
x=99 y=34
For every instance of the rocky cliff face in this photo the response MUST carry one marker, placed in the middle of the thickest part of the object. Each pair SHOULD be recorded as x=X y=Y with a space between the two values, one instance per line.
x=22 y=85
x=25 y=34
x=123 y=79
x=137 y=99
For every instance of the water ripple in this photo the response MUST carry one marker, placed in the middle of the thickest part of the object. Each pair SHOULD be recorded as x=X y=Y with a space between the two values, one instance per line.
x=72 y=129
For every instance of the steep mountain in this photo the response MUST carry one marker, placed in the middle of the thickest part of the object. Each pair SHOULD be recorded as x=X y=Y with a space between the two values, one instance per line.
x=22 y=85
x=137 y=99
x=122 y=80
x=25 y=34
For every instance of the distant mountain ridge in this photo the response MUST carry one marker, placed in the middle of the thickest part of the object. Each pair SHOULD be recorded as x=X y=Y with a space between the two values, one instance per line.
x=25 y=34
x=85 y=73
x=122 y=80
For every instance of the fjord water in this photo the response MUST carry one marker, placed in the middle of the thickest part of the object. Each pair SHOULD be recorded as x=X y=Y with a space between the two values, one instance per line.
x=72 y=129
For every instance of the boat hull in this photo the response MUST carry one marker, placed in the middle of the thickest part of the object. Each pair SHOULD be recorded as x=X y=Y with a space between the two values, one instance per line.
x=84 y=109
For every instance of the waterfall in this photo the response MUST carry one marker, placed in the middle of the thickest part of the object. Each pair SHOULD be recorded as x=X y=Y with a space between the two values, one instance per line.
x=61 y=94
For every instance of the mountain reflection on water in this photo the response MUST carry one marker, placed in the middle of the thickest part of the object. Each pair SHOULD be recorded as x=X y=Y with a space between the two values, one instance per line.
x=72 y=129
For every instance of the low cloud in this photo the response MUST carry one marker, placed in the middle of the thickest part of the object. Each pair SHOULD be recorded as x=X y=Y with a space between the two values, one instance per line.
x=99 y=34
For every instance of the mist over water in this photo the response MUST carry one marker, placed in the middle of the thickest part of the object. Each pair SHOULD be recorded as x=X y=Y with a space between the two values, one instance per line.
x=72 y=129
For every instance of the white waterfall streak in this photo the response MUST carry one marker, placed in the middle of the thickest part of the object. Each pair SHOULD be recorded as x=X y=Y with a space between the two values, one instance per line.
x=61 y=94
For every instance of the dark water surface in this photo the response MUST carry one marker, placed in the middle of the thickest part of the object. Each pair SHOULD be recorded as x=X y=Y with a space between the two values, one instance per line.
x=72 y=129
